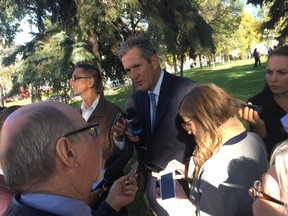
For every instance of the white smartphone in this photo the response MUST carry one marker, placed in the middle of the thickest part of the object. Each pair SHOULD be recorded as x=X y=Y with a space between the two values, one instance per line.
x=167 y=184
x=284 y=122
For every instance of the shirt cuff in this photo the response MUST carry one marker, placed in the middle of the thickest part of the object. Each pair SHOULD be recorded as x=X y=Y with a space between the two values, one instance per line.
x=119 y=144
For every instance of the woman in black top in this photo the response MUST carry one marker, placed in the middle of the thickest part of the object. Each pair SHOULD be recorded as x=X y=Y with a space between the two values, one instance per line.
x=273 y=99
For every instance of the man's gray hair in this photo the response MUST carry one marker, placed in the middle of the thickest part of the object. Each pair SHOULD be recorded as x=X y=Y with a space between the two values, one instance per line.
x=29 y=158
x=146 y=47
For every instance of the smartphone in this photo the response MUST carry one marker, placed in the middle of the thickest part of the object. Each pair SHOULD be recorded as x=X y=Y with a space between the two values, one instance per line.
x=134 y=168
x=118 y=118
x=167 y=184
x=284 y=122
x=132 y=172
x=153 y=167
x=257 y=108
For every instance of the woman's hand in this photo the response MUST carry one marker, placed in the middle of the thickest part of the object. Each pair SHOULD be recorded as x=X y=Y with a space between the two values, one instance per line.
x=253 y=118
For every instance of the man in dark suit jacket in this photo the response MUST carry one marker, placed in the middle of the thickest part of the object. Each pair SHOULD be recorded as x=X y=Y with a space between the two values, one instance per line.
x=167 y=140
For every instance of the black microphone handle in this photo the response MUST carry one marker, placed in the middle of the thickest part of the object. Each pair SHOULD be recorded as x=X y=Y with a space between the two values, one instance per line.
x=113 y=171
x=118 y=165
x=100 y=185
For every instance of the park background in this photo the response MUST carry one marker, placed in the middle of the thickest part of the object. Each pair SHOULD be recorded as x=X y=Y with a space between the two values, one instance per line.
x=187 y=34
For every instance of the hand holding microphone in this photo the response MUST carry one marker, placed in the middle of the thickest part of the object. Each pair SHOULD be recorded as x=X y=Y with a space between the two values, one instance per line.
x=127 y=123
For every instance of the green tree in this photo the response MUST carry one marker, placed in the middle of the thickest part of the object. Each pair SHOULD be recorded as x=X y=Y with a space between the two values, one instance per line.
x=49 y=63
x=105 y=25
x=278 y=16
x=88 y=26
x=223 y=16
x=179 y=26
x=248 y=33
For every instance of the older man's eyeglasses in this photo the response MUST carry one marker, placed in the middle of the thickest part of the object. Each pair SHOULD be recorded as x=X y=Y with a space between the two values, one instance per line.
x=257 y=193
x=93 y=130
x=186 y=125
x=75 y=78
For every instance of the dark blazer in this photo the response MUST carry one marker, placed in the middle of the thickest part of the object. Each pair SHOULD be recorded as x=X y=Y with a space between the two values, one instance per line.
x=169 y=140
x=6 y=195
x=105 y=114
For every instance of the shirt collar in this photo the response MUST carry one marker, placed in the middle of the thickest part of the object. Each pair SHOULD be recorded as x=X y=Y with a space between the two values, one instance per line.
x=93 y=106
x=158 y=85
x=56 y=204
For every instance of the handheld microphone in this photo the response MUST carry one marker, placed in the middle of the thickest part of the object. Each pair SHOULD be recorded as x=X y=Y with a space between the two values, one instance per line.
x=134 y=124
x=113 y=171
x=130 y=113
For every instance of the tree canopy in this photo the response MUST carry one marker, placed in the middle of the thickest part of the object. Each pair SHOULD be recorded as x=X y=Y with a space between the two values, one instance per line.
x=76 y=31
x=278 y=16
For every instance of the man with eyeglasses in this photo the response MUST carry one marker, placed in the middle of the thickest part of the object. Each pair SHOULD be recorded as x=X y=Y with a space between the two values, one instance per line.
x=86 y=82
x=51 y=157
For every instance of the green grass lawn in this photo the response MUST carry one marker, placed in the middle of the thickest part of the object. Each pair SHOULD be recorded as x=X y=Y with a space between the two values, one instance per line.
x=238 y=78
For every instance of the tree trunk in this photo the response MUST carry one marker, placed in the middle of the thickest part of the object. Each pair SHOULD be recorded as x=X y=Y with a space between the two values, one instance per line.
x=181 y=64
x=200 y=60
x=93 y=40
x=175 y=63
x=1 y=96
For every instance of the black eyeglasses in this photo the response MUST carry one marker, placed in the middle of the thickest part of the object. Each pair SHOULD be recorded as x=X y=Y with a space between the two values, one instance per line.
x=75 y=78
x=93 y=130
x=186 y=125
x=257 y=193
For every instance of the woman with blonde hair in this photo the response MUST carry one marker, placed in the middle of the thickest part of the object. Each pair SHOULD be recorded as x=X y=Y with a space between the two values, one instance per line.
x=227 y=159
x=271 y=194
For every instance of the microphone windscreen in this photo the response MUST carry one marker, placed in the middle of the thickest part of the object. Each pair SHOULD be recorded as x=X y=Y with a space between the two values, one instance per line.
x=136 y=122
x=131 y=113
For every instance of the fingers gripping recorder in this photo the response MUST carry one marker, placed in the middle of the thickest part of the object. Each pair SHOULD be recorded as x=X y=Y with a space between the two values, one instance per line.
x=134 y=125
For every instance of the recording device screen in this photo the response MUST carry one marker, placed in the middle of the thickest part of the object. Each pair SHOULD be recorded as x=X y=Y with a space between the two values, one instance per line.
x=167 y=185
x=284 y=122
